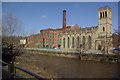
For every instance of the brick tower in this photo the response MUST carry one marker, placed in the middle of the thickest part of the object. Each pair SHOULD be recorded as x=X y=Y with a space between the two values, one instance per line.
x=64 y=20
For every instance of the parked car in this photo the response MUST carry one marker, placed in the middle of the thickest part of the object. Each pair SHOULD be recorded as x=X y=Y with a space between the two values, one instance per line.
x=116 y=50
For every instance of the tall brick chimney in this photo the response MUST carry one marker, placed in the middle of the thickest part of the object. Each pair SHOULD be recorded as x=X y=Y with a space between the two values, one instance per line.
x=64 y=19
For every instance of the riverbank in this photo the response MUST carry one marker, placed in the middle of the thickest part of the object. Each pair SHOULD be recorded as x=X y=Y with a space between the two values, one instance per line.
x=60 y=67
x=82 y=56
x=26 y=63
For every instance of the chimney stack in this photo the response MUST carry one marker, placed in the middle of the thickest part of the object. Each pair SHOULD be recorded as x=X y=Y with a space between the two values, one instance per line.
x=64 y=19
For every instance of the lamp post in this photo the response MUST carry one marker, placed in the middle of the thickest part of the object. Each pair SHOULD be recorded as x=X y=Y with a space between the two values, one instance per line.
x=11 y=65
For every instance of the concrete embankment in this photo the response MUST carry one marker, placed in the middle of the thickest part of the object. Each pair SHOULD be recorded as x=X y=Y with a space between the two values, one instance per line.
x=82 y=56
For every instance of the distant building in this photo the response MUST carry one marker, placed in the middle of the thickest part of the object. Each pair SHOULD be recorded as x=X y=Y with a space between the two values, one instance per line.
x=116 y=40
x=34 y=40
x=49 y=38
x=76 y=38
x=91 y=38
x=23 y=42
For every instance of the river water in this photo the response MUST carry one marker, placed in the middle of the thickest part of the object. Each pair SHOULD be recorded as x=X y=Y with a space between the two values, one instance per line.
x=75 y=68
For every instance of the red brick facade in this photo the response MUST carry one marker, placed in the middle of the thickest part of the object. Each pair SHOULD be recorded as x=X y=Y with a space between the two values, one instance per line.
x=35 y=40
x=116 y=40
x=48 y=37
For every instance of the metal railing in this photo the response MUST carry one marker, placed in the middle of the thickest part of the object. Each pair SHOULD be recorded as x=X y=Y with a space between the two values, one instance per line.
x=13 y=74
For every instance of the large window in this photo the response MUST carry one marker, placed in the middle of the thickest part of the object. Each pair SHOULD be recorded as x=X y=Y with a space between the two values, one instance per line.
x=103 y=28
x=89 y=39
x=73 y=42
x=100 y=15
x=83 y=42
x=68 y=42
x=63 y=42
x=78 y=42
x=105 y=13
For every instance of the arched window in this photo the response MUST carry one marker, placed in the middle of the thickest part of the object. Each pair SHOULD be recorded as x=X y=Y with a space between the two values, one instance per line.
x=103 y=28
x=78 y=42
x=83 y=42
x=68 y=42
x=63 y=42
x=105 y=13
x=100 y=15
x=73 y=42
x=89 y=39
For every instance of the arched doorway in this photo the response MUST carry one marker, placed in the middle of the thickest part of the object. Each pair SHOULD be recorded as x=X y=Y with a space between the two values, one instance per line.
x=99 y=47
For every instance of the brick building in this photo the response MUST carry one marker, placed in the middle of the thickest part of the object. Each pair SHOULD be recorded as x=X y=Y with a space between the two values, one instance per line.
x=51 y=37
x=116 y=40
x=48 y=37
x=35 y=40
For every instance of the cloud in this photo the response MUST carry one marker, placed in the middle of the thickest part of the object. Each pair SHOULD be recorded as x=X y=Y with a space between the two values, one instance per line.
x=44 y=16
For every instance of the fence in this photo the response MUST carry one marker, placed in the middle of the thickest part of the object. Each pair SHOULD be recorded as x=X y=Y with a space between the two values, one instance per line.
x=9 y=72
x=70 y=51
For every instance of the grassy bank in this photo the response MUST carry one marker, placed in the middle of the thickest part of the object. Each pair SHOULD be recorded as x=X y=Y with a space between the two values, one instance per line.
x=29 y=65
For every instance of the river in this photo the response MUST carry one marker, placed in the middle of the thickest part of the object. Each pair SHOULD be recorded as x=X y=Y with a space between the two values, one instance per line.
x=75 y=68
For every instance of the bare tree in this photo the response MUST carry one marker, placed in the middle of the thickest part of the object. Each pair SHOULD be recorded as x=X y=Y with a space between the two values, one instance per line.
x=11 y=27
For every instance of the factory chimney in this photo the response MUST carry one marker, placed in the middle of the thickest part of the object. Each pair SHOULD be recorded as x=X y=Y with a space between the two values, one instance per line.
x=64 y=20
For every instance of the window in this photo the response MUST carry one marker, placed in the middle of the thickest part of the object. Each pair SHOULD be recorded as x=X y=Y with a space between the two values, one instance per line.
x=73 y=42
x=103 y=28
x=78 y=42
x=89 y=39
x=100 y=15
x=63 y=42
x=68 y=42
x=105 y=13
x=83 y=41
